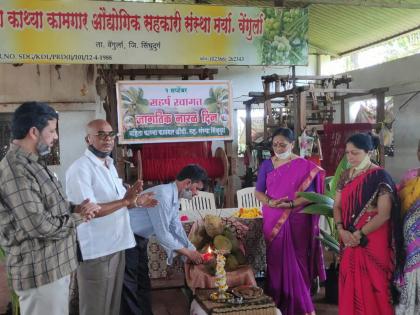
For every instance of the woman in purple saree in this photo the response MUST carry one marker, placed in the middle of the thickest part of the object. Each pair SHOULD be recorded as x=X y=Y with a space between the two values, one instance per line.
x=294 y=254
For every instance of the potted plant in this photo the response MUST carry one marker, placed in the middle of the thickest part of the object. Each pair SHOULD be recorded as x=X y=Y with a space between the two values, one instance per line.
x=322 y=204
x=7 y=295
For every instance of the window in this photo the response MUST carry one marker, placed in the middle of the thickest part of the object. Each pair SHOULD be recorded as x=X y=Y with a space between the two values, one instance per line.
x=399 y=47
x=257 y=127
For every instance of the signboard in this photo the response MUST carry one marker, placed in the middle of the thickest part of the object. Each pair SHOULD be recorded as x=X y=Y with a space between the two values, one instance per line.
x=174 y=111
x=99 y=32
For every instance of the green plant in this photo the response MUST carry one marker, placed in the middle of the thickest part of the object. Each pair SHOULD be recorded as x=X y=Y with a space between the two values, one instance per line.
x=14 y=297
x=322 y=204
x=2 y=254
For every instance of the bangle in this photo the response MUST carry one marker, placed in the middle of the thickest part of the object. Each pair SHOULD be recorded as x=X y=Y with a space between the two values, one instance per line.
x=338 y=223
x=268 y=200
x=361 y=233
x=292 y=204
x=136 y=204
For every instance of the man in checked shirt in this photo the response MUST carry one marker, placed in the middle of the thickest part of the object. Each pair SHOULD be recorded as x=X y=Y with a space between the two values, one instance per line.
x=37 y=223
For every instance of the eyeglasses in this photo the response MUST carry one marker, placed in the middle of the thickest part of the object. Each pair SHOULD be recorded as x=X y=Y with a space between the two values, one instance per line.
x=103 y=135
x=281 y=145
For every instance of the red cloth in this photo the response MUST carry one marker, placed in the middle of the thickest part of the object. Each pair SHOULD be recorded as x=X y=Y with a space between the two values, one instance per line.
x=163 y=161
x=333 y=143
x=365 y=272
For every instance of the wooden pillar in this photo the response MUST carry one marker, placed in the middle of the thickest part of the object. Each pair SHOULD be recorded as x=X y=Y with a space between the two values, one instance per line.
x=248 y=125
x=380 y=118
x=110 y=106
x=268 y=115
x=230 y=190
x=300 y=114
x=343 y=112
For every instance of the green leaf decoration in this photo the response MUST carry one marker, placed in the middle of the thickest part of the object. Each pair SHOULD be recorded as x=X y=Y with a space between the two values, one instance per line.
x=341 y=167
x=333 y=246
x=329 y=237
x=320 y=209
x=317 y=198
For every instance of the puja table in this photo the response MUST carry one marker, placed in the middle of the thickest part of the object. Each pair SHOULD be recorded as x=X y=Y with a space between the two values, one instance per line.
x=203 y=305
x=254 y=244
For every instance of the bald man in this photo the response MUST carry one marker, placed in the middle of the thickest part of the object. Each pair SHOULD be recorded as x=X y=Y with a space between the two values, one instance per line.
x=104 y=240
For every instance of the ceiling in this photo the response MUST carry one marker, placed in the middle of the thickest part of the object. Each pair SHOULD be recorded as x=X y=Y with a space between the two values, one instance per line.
x=340 y=29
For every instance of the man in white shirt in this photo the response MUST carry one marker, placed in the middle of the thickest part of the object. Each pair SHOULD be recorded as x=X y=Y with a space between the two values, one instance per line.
x=104 y=239
x=162 y=221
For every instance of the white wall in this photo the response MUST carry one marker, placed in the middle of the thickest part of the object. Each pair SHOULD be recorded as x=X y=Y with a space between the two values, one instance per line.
x=403 y=78
x=69 y=89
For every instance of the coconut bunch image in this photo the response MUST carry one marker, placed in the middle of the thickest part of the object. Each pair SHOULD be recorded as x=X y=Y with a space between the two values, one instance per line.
x=213 y=234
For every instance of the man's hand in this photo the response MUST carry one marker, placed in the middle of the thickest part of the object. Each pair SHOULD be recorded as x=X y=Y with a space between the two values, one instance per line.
x=87 y=209
x=132 y=194
x=194 y=256
x=146 y=200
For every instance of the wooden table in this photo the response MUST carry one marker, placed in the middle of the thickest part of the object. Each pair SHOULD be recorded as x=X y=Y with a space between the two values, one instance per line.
x=202 y=305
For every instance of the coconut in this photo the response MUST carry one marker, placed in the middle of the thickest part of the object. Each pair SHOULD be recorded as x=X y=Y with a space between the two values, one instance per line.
x=232 y=238
x=222 y=243
x=231 y=263
x=213 y=225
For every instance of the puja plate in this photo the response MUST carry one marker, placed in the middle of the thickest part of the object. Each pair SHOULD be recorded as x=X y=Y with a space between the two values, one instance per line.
x=215 y=296
x=248 y=291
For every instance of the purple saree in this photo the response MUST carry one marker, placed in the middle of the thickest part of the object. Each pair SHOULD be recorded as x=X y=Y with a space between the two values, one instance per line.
x=294 y=255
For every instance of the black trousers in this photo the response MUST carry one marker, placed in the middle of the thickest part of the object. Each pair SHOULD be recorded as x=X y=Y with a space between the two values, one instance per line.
x=135 y=299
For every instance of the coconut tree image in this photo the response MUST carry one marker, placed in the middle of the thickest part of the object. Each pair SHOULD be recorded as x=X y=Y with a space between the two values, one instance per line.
x=218 y=100
x=133 y=101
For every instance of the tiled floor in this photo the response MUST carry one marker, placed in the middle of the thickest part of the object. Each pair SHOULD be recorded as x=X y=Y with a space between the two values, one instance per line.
x=175 y=301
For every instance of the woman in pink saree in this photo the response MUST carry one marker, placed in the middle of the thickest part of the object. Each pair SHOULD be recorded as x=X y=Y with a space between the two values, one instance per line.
x=294 y=254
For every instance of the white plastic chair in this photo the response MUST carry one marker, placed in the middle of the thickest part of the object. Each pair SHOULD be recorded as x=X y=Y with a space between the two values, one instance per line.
x=246 y=198
x=202 y=201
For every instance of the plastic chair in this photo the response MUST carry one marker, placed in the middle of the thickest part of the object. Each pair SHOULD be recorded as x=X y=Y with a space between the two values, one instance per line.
x=202 y=201
x=246 y=198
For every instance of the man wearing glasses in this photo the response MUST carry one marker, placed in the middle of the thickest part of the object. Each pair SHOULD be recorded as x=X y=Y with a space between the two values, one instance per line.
x=104 y=240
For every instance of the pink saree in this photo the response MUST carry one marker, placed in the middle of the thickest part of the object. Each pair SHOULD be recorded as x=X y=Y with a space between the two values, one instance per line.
x=294 y=255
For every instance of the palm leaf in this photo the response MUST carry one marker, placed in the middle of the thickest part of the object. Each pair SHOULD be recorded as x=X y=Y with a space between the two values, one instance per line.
x=2 y=254
x=333 y=246
x=341 y=167
x=315 y=197
x=329 y=237
x=320 y=209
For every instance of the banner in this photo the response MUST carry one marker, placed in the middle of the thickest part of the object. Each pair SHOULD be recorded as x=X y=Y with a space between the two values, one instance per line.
x=174 y=111
x=95 y=32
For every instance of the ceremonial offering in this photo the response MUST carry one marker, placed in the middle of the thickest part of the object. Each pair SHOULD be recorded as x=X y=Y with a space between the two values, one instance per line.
x=221 y=294
x=248 y=292
x=214 y=234
x=248 y=213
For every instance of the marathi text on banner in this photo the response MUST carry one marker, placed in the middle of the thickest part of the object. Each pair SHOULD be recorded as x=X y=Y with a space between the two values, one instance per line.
x=169 y=111
x=142 y=33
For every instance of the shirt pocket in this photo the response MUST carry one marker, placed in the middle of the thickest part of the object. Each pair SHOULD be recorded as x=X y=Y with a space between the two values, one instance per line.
x=119 y=187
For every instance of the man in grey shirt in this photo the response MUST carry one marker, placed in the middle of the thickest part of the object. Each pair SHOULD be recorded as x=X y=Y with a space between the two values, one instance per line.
x=162 y=221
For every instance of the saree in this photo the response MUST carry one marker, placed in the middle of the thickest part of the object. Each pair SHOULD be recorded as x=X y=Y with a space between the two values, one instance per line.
x=366 y=272
x=410 y=282
x=294 y=255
